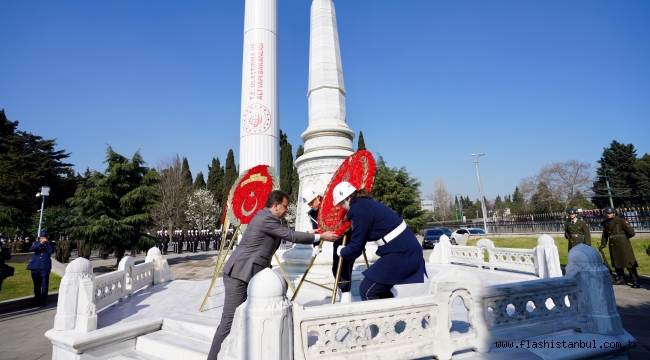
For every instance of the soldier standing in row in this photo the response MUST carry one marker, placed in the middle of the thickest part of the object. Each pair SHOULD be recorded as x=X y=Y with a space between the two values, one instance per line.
x=66 y=249
x=618 y=232
x=59 y=249
x=576 y=230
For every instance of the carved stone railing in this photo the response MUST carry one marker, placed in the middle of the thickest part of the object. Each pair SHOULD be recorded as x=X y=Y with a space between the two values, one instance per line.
x=542 y=261
x=421 y=326
x=82 y=295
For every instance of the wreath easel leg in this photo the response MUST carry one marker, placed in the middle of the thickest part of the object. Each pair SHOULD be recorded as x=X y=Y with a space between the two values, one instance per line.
x=285 y=274
x=220 y=263
x=311 y=262
x=338 y=273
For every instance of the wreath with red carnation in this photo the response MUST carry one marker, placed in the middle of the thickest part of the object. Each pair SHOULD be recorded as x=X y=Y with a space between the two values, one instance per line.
x=249 y=193
x=358 y=169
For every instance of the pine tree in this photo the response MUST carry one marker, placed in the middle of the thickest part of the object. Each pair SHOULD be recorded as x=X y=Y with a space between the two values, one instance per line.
x=230 y=175
x=643 y=179
x=399 y=191
x=187 y=174
x=619 y=160
x=113 y=209
x=215 y=180
x=199 y=183
x=361 y=145
x=286 y=164
x=518 y=202
x=28 y=162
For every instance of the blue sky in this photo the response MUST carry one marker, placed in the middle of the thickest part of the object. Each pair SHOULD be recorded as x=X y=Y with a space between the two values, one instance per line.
x=428 y=82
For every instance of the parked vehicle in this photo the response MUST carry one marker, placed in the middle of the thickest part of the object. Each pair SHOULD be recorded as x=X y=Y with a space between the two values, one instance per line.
x=456 y=235
x=432 y=237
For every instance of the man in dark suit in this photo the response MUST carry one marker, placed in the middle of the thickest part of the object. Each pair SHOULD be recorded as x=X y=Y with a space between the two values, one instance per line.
x=254 y=253
x=40 y=265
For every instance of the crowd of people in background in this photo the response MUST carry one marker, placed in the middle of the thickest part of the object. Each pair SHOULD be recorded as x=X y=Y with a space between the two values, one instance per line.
x=191 y=240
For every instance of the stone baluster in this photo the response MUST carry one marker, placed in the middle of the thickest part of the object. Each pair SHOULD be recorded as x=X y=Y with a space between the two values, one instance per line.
x=73 y=294
x=161 y=271
x=597 y=292
x=127 y=264
x=547 y=259
x=440 y=253
x=263 y=325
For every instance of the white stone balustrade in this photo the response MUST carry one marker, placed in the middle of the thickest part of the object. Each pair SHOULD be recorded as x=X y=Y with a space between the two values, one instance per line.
x=542 y=261
x=82 y=294
x=413 y=327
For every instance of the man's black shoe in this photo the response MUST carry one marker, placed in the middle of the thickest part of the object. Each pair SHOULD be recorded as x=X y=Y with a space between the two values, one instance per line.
x=620 y=281
x=636 y=285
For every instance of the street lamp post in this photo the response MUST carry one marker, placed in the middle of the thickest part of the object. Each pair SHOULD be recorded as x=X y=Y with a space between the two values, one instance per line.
x=45 y=191
x=609 y=191
x=480 y=189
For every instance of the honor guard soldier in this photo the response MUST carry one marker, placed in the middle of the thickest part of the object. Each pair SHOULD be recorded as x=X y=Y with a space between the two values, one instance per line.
x=195 y=247
x=40 y=266
x=66 y=249
x=618 y=232
x=576 y=231
x=400 y=253
x=313 y=199
x=165 y=243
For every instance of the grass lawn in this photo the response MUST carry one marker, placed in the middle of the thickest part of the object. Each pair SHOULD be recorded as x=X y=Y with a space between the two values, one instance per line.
x=21 y=285
x=530 y=242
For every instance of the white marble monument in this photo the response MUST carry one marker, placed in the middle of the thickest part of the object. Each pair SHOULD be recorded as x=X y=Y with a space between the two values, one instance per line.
x=328 y=141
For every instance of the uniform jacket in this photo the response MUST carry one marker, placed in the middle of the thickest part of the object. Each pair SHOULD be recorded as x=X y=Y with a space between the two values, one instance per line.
x=618 y=234
x=258 y=244
x=41 y=258
x=401 y=260
x=577 y=233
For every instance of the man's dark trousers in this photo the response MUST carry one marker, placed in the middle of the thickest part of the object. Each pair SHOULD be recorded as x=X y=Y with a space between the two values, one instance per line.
x=237 y=293
x=41 y=279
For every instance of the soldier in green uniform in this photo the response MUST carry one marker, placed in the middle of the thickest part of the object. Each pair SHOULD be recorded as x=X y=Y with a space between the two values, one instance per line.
x=65 y=249
x=83 y=249
x=59 y=250
x=576 y=230
x=618 y=232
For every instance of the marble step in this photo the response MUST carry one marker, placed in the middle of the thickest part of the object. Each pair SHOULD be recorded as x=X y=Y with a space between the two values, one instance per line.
x=170 y=346
x=135 y=355
x=191 y=326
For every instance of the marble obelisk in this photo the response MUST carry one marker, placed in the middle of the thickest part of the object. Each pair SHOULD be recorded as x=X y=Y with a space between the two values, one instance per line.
x=328 y=139
x=259 y=128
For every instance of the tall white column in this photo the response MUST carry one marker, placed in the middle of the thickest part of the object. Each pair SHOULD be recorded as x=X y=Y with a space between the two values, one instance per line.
x=260 y=125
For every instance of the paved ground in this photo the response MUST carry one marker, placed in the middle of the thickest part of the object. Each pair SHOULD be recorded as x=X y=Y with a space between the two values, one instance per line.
x=21 y=333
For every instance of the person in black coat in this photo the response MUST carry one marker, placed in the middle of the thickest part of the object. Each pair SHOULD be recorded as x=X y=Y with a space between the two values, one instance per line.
x=41 y=265
x=400 y=261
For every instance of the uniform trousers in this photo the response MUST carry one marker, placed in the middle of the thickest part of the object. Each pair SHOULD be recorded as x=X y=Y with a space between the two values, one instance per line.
x=370 y=290
x=236 y=293
x=621 y=272
x=41 y=279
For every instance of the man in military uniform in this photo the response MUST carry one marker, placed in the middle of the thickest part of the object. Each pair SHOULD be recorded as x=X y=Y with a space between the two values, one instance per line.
x=576 y=230
x=59 y=250
x=40 y=266
x=618 y=232
x=65 y=251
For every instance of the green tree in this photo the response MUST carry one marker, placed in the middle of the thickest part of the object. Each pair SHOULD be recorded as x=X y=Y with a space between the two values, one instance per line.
x=28 y=162
x=112 y=209
x=518 y=202
x=231 y=174
x=187 y=174
x=286 y=164
x=295 y=179
x=619 y=159
x=199 y=182
x=643 y=179
x=215 y=180
x=361 y=145
x=399 y=191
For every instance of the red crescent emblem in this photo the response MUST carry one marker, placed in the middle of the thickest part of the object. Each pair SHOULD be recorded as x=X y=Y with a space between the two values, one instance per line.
x=249 y=192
